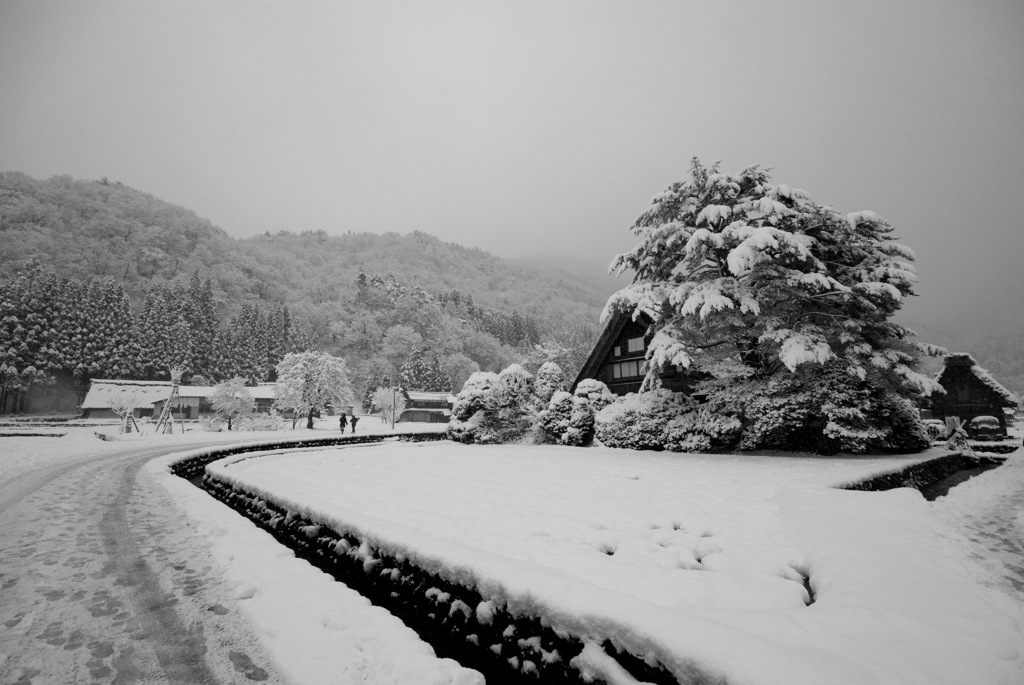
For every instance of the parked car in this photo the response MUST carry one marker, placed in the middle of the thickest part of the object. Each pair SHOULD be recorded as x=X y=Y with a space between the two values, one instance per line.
x=936 y=429
x=985 y=428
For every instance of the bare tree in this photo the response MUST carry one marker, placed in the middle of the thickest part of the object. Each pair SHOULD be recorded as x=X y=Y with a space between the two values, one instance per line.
x=391 y=402
x=124 y=407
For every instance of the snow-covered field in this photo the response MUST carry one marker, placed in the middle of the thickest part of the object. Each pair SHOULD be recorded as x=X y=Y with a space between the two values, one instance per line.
x=695 y=558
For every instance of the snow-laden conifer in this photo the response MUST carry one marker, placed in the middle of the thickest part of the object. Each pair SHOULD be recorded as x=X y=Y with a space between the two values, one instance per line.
x=746 y=281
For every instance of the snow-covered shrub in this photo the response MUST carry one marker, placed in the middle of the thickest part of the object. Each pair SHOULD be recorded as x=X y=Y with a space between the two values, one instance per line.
x=701 y=430
x=550 y=380
x=555 y=419
x=581 y=423
x=214 y=424
x=270 y=421
x=515 y=384
x=494 y=408
x=467 y=411
x=568 y=420
x=823 y=409
x=595 y=392
x=639 y=421
x=470 y=399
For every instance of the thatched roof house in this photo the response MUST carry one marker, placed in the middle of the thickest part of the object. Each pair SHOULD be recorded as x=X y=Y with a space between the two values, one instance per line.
x=150 y=396
x=970 y=391
x=619 y=358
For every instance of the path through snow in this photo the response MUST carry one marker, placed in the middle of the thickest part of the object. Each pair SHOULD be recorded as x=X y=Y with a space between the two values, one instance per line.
x=989 y=511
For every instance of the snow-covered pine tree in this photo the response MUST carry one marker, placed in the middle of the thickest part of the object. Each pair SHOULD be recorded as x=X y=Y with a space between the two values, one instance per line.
x=745 y=280
x=111 y=348
x=414 y=374
x=201 y=313
x=164 y=335
x=26 y=319
x=438 y=379
x=225 y=356
x=279 y=322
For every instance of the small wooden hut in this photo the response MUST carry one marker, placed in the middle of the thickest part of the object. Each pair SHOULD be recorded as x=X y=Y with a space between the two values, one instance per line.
x=970 y=391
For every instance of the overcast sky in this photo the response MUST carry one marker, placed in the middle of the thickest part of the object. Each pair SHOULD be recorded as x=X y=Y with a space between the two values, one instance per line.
x=537 y=127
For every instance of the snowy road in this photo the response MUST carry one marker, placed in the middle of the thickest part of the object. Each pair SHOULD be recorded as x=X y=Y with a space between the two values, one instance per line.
x=100 y=583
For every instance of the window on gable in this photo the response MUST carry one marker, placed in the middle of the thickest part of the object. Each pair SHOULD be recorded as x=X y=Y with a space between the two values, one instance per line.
x=636 y=344
x=632 y=369
x=618 y=350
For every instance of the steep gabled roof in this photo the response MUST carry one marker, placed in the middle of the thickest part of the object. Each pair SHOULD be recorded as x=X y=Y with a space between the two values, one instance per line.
x=612 y=328
x=962 y=359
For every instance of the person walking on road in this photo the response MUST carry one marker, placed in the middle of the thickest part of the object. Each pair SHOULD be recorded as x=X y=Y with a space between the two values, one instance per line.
x=342 y=422
x=354 y=419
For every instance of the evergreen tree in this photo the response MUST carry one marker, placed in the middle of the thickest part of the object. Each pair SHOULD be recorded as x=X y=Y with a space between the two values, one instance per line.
x=414 y=374
x=747 y=281
x=112 y=348
x=26 y=319
x=225 y=355
x=438 y=379
x=279 y=323
x=201 y=314
x=165 y=337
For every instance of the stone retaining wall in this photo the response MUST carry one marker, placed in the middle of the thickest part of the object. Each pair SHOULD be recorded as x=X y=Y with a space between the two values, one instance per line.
x=192 y=467
x=925 y=473
x=454 y=619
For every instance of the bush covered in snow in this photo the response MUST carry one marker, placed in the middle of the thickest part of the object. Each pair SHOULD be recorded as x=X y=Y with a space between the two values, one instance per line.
x=555 y=419
x=261 y=421
x=494 y=408
x=639 y=421
x=826 y=411
x=568 y=420
x=550 y=380
x=595 y=392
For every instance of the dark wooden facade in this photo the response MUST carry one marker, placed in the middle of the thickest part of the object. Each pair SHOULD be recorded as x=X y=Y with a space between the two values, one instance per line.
x=618 y=358
x=970 y=392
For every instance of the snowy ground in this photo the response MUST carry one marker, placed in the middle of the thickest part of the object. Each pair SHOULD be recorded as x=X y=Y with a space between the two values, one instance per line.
x=705 y=563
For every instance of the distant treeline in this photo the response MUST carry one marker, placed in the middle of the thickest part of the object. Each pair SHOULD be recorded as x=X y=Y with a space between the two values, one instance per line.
x=58 y=333
x=102 y=280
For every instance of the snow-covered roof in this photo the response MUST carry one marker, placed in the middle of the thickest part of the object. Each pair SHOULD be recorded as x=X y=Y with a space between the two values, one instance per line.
x=423 y=396
x=964 y=359
x=264 y=391
x=101 y=391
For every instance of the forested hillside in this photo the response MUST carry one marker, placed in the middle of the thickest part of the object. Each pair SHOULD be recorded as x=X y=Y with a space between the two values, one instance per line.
x=158 y=272
x=185 y=293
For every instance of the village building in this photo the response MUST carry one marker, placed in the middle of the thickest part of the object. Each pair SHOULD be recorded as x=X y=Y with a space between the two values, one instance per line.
x=970 y=391
x=427 y=407
x=149 y=398
x=618 y=358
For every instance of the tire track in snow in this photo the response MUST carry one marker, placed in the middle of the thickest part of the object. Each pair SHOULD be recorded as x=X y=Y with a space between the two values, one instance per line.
x=100 y=583
x=180 y=649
